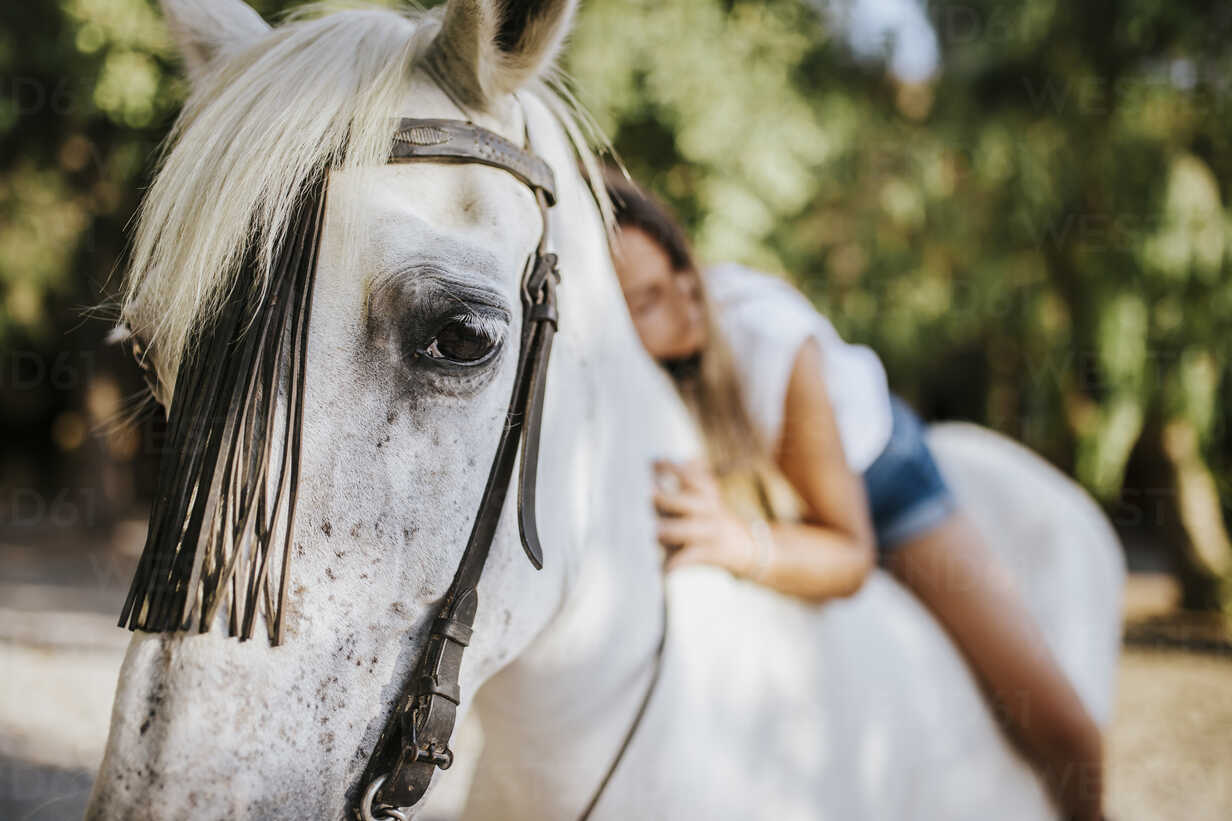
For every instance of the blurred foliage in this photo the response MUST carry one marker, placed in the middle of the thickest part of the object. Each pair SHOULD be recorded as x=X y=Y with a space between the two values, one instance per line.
x=88 y=88
x=1036 y=239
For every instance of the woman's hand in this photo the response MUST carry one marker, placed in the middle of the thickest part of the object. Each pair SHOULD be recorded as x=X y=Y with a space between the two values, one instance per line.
x=694 y=524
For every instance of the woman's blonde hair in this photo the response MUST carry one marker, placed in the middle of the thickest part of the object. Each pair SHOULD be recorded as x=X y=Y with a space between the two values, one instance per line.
x=707 y=382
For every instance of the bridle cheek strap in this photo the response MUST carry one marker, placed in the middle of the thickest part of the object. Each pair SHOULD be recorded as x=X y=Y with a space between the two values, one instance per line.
x=415 y=740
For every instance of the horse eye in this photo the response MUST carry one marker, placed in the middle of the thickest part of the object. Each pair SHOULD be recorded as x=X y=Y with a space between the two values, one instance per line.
x=468 y=340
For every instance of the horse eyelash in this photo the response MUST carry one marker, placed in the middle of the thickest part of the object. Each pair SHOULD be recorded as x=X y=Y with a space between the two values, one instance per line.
x=486 y=324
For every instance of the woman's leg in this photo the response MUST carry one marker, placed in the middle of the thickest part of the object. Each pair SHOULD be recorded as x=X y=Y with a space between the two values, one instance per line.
x=953 y=573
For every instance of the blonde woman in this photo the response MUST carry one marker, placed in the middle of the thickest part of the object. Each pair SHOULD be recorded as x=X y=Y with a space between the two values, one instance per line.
x=795 y=418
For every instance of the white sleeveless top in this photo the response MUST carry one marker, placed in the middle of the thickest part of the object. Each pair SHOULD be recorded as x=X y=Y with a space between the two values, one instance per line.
x=765 y=321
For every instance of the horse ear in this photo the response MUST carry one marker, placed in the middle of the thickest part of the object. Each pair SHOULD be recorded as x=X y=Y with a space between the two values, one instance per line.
x=489 y=48
x=205 y=28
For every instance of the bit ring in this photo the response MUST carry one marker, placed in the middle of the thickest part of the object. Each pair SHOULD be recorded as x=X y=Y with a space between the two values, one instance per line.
x=365 y=806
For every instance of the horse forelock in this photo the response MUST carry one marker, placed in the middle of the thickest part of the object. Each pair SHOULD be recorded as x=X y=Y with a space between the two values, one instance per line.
x=317 y=92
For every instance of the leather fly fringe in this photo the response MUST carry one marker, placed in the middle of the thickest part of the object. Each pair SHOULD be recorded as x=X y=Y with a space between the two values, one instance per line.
x=221 y=528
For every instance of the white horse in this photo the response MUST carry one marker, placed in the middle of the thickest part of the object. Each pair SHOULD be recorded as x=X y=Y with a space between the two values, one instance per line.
x=767 y=707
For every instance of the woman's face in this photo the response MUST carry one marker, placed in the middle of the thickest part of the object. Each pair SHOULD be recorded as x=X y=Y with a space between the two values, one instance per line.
x=666 y=304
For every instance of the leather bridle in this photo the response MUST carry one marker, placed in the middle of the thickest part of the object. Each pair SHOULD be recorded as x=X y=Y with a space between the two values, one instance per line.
x=415 y=740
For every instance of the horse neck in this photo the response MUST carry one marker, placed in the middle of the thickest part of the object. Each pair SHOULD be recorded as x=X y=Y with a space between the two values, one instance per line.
x=555 y=716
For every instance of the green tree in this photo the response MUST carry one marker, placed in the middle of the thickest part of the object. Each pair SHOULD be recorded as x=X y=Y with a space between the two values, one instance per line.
x=1037 y=239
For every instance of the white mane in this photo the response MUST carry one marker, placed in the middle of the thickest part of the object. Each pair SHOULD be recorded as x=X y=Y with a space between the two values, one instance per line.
x=318 y=91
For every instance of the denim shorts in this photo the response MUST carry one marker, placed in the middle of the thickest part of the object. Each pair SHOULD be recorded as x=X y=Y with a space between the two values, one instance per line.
x=906 y=491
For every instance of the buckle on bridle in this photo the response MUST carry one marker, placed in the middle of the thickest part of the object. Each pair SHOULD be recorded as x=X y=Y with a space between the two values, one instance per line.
x=539 y=292
x=433 y=752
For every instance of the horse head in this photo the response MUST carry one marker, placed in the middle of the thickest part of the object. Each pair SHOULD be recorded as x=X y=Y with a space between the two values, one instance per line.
x=383 y=383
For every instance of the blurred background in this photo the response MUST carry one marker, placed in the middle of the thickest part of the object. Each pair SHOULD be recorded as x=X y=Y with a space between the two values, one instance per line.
x=1021 y=206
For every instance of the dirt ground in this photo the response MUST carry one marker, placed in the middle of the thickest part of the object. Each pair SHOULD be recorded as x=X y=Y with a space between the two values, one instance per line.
x=1170 y=746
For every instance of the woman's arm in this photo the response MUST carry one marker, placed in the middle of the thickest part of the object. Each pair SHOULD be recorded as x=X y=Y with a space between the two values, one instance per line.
x=830 y=552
